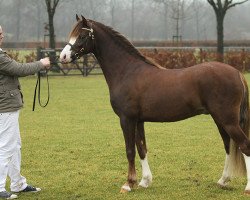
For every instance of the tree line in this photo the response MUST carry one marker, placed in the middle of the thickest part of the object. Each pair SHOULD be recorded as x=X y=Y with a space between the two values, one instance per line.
x=24 y=20
x=29 y=20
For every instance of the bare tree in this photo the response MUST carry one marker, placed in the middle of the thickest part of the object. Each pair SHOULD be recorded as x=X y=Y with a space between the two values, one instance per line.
x=112 y=12
x=165 y=4
x=1 y=1
x=179 y=13
x=132 y=19
x=34 y=10
x=38 y=19
x=24 y=19
x=220 y=9
x=18 y=19
x=197 y=7
x=51 y=9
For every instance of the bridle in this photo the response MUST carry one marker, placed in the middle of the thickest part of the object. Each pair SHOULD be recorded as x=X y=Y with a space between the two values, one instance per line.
x=77 y=54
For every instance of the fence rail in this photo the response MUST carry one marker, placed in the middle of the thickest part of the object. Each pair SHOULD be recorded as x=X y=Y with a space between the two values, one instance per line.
x=83 y=66
x=168 y=57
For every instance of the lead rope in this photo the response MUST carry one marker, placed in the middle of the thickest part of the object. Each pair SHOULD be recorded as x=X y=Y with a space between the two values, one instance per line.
x=38 y=85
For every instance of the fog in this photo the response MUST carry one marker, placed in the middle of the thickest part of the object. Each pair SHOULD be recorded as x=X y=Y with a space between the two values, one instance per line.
x=24 y=20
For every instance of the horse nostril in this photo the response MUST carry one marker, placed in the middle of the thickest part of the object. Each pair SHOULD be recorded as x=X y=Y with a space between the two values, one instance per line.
x=64 y=57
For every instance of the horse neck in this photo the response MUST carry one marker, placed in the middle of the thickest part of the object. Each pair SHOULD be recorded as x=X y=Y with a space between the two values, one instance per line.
x=115 y=61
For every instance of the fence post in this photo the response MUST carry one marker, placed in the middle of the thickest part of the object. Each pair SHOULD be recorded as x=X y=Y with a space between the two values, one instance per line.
x=243 y=60
x=40 y=55
x=85 y=65
x=201 y=55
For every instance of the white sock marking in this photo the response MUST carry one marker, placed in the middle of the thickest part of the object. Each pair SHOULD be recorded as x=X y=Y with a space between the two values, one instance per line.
x=225 y=174
x=146 y=174
x=247 y=161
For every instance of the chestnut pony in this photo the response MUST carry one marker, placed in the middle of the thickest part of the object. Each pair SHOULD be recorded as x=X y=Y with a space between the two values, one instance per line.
x=141 y=91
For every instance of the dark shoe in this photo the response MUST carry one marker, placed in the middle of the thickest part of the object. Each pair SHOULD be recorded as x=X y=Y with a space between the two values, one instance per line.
x=30 y=188
x=7 y=195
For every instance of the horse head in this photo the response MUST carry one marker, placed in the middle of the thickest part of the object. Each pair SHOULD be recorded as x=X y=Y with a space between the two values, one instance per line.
x=81 y=41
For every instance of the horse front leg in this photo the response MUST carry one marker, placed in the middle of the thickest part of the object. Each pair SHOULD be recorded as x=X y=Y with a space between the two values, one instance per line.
x=142 y=151
x=128 y=127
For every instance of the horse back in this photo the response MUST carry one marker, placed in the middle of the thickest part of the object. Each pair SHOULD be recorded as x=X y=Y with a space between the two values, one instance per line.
x=155 y=94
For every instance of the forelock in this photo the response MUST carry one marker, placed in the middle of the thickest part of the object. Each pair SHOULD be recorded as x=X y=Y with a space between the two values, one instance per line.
x=76 y=30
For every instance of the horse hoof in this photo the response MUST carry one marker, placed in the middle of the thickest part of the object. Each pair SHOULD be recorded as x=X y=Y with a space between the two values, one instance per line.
x=247 y=192
x=125 y=188
x=146 y=181
x=225 y=187
x=221 y=186
x=124 y=191
x=143 y=184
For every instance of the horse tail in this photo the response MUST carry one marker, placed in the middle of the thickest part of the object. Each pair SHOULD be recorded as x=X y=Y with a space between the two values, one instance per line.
x=244 y=108
x=237 y=165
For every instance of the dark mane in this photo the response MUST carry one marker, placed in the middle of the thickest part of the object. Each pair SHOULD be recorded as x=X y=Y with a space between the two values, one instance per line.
x=119 y=39
x=122 y=41
x=76 y=30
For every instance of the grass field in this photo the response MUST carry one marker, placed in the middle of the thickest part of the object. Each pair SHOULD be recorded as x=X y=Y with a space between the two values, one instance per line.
x=74 y=149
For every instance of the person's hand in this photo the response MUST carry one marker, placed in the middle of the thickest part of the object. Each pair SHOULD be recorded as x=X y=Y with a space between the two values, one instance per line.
x=45 y=62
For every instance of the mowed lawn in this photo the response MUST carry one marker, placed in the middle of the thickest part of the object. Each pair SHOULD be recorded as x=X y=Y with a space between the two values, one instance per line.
x=74 y=149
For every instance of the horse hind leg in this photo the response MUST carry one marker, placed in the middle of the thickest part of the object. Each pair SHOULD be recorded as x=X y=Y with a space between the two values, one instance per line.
x=234 y=163
x=247 y=161
x=237 y=127
x=242 y=145
x=226 y=174
x=225 y=178
x=245 y=149
x=244 y=124
x=142 y=151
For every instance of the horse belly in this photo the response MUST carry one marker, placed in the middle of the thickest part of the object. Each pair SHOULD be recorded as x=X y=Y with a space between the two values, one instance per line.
x=171 y=109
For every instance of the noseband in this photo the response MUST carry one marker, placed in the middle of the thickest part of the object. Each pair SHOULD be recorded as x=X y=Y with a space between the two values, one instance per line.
x=76 y=55
x=86 y=39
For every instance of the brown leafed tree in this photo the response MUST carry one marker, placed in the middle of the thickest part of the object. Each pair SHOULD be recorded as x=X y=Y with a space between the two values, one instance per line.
x=220 y=8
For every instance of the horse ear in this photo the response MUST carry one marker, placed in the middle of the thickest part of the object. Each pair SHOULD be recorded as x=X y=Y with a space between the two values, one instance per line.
x=77 y=18
x=84 y=21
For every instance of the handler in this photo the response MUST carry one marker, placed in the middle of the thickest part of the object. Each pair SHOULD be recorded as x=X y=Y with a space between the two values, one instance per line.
x=10 y=103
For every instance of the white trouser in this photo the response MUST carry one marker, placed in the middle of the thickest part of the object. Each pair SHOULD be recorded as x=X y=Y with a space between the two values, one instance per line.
x=10 y=152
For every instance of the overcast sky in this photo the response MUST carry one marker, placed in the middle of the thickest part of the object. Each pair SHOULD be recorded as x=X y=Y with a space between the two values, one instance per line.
x=23 y=20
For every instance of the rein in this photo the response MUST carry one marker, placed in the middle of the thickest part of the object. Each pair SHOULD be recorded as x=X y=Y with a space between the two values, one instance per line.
x=38 y=82
x=38 y=89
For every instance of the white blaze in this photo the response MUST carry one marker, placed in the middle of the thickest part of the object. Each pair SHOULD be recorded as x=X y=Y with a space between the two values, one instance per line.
x=66 y=52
